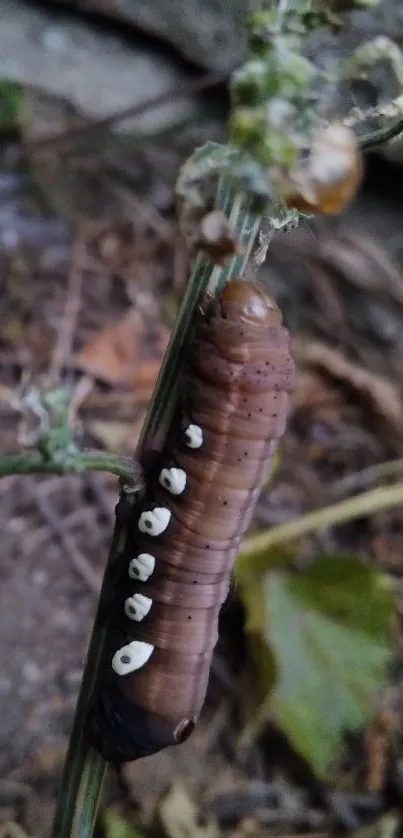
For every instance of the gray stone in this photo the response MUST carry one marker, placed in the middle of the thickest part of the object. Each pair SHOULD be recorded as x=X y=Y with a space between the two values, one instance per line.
x=209 y=32
x=97 y=73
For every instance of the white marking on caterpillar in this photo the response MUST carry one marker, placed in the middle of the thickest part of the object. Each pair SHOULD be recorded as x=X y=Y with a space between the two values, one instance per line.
x=154 y=521
x=142 y=567
x=137 y=607
x=131 y=657
x=173 y=479
x=194 y=436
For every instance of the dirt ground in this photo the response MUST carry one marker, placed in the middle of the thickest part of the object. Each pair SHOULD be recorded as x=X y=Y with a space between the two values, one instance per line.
x=90 y=300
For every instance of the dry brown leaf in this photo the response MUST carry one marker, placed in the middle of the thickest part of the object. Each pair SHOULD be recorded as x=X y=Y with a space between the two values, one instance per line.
x=127 y=354
x=180 y=816
x=381 y=395
x=117 y=437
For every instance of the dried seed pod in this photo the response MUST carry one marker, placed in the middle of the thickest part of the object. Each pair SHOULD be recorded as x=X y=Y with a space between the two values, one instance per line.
x=331 y=177
x=216 y=237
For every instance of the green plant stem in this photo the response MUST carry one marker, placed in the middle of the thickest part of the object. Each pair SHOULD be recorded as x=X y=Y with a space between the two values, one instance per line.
x=34 y=462
x=347 y=510
x=380 y=136
x=84 y=769
x=360 y=480
x=206 y=277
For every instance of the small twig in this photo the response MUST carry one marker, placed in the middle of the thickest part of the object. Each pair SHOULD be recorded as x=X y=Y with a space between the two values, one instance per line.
x=182 y=91
x=361 y=479
x=147 y=213
x=391 y=111
x=101 y=495
x=339 y=513
x=91 y=577
x=180 y=262
x=380 y=136
x=83 y=389
x=63 y=346
x=384 y=110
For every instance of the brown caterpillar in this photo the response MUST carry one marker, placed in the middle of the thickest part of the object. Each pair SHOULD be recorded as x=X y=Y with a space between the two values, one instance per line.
x=174 y=575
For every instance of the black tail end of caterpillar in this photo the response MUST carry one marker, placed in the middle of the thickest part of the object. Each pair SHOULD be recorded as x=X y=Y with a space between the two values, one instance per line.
x=122 y=732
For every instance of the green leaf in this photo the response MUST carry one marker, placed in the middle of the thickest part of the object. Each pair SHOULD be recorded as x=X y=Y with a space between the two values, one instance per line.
x=328 y=630
x=251 y=565
x=10 y=105
x=116 y=827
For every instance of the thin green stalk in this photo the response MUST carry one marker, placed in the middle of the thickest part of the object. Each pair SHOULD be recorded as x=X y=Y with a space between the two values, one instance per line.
x=360 y=480
x=381 y=135
x=85 y=770
x=33 y=462
x=339 y=513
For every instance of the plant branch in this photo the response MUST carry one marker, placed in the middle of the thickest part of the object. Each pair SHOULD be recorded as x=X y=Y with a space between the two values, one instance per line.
x=380 y=136
x=34 y=462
